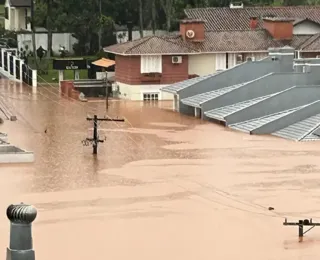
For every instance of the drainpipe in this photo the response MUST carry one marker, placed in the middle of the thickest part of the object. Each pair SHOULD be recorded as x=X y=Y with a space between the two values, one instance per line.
x=21 y=217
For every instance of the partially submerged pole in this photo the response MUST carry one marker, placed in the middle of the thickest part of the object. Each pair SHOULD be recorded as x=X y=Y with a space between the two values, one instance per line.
x=21 y=217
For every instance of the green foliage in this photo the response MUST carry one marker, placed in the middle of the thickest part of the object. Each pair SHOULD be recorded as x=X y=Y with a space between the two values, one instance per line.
x=83 y=19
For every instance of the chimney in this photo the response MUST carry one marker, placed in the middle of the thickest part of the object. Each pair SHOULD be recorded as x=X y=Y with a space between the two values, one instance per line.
x=279 y=28
x=253 y=23
x=192 y=30
x=130 y=27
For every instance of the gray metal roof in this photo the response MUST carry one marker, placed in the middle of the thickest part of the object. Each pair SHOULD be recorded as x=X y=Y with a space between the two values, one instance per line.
x=197 y=100
x=221 y=112
x=301 y=131
x=176 y=87
x=252 y=124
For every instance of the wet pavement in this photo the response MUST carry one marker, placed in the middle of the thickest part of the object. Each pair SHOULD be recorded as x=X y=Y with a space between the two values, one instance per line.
x=163 y=186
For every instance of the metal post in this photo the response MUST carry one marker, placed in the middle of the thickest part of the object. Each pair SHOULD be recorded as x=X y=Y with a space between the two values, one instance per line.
x=107 y=93
x=95 y=134
x=21 y=217
x=300 y=230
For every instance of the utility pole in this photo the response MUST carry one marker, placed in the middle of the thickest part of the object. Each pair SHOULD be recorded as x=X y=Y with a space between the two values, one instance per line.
x=300 y=225
x=95 y=139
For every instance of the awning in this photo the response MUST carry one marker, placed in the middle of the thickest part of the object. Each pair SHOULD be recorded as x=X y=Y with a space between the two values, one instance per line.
x=106 y=63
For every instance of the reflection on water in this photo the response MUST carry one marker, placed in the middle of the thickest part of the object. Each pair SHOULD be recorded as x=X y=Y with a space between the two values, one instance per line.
x=163 y=186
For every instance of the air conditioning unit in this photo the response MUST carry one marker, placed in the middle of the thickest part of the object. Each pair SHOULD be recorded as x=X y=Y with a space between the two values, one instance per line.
x=176 y=59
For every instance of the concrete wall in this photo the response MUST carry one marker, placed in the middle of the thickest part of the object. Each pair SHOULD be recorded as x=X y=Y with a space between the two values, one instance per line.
x=264 y=86
x=291 y=98
x=290 y=119
x=58 y=39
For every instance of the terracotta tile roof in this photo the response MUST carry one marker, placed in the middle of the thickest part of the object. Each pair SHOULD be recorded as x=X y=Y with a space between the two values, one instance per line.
x=229 y=41
x=152 y=45
x=311 y=44
x=228 y=19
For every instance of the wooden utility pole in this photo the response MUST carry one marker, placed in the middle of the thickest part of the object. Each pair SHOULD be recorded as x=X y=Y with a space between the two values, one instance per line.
x=95 y=139
x=300 y=224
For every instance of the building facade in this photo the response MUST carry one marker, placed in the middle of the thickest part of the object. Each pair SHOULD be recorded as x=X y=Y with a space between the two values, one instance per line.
x=205 y=46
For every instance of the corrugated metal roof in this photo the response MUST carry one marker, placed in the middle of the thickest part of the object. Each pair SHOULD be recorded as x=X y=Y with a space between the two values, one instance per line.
x=221 y=112
x=252 y=124
x=176 y=87
x=301 y=130
x=197 y=100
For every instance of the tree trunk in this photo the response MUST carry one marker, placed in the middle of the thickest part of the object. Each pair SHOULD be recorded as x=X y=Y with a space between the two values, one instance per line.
x=153 y=14
x=49 y=28
x=141 y=18
x=100 y=27
x=167 y=6
x=34 y=46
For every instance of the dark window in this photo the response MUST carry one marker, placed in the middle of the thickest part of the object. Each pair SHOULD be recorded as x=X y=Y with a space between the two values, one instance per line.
x=151 y=96
x=6 y=13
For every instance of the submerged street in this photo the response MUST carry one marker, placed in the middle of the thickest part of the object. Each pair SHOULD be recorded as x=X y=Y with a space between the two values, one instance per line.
x=163 y=186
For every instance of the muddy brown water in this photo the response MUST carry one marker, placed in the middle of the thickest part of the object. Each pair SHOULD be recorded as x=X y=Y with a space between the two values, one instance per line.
x=163 y=186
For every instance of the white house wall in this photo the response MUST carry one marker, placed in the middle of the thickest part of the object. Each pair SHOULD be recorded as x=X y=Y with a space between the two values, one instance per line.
x=135 y=92
x=306 y=28
x=202 y=64
x=63 y=39
x=17 y=18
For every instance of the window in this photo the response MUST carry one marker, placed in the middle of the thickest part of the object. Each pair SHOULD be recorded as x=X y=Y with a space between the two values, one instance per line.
x=6 y=13
x=150 y=96
x=151 y=64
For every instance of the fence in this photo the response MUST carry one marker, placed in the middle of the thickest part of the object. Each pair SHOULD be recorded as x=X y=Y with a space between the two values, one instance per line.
x=15 y=69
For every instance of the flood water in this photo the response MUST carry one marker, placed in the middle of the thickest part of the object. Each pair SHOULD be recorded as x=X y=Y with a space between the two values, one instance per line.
x=163 y=186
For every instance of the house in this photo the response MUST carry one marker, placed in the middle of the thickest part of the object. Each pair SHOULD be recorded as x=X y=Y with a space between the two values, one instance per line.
x=16 y=15
x=278 y=95
x=212 y=40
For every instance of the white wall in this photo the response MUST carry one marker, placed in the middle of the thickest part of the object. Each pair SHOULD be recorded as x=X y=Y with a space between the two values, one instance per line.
x=17 y=18
x=136 y=35
x=202 y=64
x=64 y=39
x=135 y=92
x=306 y=28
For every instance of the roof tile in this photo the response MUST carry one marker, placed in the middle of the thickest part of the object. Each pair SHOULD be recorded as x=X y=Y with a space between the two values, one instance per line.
x=226 y=19
x=227 y=41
